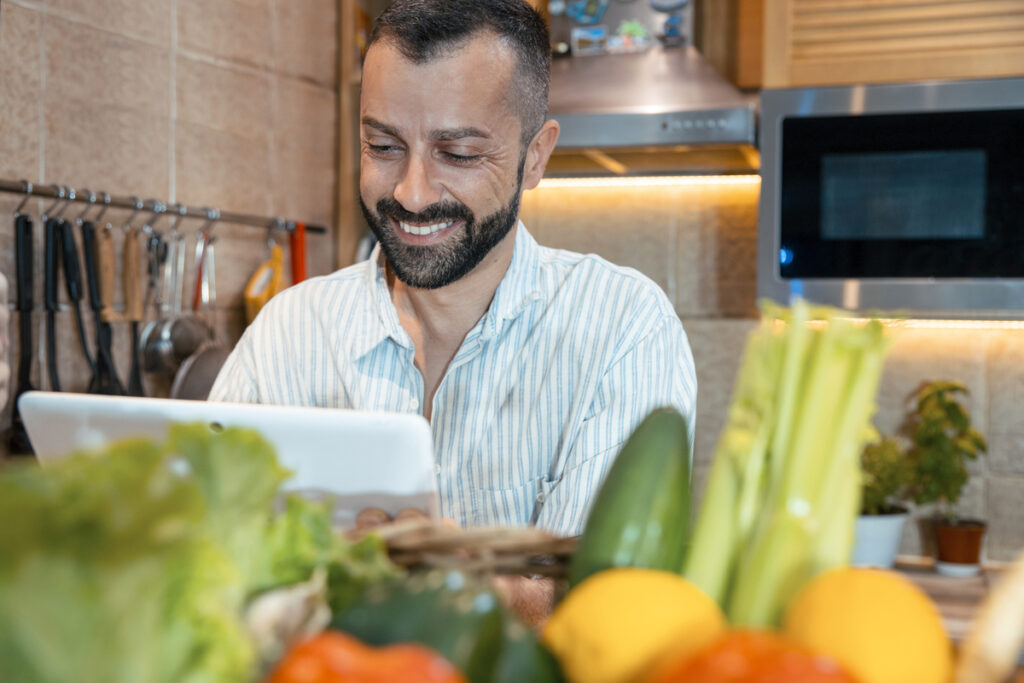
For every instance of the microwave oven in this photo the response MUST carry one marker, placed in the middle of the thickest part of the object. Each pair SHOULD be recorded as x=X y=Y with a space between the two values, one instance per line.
x=901 y=197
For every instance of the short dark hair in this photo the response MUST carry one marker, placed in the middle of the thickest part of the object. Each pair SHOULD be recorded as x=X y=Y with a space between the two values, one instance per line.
x=424 y=30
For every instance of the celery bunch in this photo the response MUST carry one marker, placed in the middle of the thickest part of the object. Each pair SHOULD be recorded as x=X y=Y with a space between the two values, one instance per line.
x=784 y=488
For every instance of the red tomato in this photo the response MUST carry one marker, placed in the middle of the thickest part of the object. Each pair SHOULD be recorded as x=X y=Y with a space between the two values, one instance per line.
x=334 y=657
x=754 y=657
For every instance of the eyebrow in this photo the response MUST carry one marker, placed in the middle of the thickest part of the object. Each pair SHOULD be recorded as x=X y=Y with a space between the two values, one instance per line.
x=457 y=134
x=443 y=135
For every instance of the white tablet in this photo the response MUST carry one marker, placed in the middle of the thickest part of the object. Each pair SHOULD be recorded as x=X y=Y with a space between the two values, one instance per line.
x=358 y=458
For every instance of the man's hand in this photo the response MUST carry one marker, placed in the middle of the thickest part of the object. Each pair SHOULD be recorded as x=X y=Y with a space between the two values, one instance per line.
x=531 y=599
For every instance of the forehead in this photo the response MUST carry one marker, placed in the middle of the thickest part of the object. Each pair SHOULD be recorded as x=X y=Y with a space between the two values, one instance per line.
x=469 y=85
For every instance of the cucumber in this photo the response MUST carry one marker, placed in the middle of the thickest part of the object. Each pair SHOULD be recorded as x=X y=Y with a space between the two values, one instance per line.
x=641 y=515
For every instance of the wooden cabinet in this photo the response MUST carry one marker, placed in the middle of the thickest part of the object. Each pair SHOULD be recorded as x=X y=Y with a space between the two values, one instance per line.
x=355 y=19
x=792 y=43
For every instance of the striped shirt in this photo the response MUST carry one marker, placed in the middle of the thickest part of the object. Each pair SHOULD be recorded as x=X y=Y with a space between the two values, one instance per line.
x=571 y=355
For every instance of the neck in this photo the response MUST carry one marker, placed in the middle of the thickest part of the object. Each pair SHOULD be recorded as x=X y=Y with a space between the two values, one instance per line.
x=450 y=312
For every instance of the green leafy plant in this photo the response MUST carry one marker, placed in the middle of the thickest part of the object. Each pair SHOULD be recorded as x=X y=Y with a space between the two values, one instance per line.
x=943 y=442
x=888 y=477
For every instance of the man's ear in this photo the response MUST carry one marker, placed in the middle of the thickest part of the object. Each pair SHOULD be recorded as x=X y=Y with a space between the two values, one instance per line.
x=538 y=153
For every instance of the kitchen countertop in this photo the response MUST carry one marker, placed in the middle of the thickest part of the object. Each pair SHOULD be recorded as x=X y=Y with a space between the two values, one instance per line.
x=958 y=599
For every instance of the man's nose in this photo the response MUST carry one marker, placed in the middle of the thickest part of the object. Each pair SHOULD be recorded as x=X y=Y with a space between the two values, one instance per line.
x=415 y=190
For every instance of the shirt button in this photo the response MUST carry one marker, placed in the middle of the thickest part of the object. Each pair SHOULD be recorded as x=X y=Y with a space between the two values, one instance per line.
x=540 y=497
x=437 y=468
x=414 y=404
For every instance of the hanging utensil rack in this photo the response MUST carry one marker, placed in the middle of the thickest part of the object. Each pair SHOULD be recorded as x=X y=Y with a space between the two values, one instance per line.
x=155 y=206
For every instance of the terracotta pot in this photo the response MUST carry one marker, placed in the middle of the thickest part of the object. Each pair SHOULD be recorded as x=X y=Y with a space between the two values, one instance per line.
x=959 y=542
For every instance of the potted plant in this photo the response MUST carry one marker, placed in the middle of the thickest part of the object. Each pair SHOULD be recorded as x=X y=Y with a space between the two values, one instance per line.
x=943 y=442
x=887 y=479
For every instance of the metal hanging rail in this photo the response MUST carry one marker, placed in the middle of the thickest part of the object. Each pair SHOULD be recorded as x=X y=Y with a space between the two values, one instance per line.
x=25 y=188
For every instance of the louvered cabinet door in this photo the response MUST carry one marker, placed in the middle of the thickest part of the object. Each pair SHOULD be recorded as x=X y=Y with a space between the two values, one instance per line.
x=841 y=42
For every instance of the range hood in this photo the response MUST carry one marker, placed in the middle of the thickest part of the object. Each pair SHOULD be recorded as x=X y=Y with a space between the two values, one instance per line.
x=665 y=110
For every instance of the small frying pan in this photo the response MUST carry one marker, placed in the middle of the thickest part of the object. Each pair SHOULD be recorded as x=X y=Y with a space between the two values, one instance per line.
x=197 y=373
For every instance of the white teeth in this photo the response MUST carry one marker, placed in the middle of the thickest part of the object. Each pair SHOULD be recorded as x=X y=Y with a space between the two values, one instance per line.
x=423 y=229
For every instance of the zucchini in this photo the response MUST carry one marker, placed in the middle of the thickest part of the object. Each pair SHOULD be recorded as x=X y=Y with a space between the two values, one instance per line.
x=641 y=515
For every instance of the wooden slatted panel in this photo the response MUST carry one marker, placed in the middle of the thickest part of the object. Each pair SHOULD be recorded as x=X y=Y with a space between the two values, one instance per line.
x=820 y=42
x=828 y=28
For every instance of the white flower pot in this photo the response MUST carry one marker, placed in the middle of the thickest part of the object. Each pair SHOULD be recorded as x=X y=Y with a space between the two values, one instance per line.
x=877 y=540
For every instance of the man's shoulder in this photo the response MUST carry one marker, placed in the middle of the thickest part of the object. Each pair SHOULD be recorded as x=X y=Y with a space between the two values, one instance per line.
x=589 y=276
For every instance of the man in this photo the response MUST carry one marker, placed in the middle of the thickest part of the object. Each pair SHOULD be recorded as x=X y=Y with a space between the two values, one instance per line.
x=533 y=365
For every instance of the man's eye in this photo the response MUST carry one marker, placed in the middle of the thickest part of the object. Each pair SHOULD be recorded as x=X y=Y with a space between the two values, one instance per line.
x=381 y=149
x=461 y=158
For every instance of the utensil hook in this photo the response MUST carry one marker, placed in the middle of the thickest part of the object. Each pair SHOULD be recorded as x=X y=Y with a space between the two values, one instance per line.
x=276 y=225
x=157 y=209
x=59 y=190
x=70 y=192
x=212 y=216
x=182 y=213
x=106 y=205
x=92 y=202
x=28 y=195
x=137 y=206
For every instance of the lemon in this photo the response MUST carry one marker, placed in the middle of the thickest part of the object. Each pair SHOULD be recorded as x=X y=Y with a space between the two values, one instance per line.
x=879 y=625
x=619 y=623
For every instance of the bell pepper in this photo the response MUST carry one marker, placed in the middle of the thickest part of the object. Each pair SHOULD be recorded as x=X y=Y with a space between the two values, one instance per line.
x=335 y=657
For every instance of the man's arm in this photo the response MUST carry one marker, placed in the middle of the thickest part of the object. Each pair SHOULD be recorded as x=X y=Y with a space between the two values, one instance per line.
x=657 y=371
x=531 y=599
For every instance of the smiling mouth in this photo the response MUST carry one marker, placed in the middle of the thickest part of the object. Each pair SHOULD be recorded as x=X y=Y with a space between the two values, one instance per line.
x=430 y=229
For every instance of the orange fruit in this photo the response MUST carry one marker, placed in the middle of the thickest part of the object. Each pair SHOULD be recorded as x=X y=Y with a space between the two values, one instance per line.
x=876 y=623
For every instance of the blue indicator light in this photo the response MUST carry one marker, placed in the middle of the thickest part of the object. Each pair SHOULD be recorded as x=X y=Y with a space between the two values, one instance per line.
x=785 y=256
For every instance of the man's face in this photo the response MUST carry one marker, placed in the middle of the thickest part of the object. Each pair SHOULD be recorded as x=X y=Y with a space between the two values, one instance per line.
x=441 y=164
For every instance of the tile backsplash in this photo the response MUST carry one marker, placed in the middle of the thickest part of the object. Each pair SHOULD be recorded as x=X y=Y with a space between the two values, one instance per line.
x=224 y=103
x=699 y=242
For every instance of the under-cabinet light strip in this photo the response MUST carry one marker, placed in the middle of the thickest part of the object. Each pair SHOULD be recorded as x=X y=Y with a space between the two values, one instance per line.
x=650 y=181
x=930 y=323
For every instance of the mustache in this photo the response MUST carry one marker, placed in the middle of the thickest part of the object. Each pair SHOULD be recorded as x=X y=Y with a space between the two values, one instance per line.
x=442 y=211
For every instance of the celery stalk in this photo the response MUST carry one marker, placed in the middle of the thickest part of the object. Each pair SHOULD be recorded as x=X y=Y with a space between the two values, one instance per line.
x=732 y=497
x=785 y=482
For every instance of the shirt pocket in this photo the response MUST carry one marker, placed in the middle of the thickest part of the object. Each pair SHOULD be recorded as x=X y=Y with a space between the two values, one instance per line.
x=507 y=506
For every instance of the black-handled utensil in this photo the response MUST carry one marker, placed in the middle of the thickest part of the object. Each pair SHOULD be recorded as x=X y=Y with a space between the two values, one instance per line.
x=51 y=256
x=73 y=283
x=92 y=284
x=17 y=442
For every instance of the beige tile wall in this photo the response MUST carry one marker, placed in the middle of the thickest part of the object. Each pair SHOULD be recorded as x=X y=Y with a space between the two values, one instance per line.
x=698 y=242
x=223 y=103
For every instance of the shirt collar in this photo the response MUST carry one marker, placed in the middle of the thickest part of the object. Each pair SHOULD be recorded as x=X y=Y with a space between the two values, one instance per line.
x=520 y=286
x=518 y=289
x=381 y=321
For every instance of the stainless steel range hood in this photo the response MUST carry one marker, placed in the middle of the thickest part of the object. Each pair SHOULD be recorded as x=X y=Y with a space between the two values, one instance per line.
x=659 y=111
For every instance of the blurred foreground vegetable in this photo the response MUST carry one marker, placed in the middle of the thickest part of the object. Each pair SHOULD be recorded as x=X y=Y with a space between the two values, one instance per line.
x=133 y=565
x=332 y=657
x=641 y=515
x=457 y=614
x=784 y=487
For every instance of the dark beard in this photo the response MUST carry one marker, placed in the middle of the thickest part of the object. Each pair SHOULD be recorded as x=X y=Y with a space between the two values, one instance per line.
x=442 y=264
